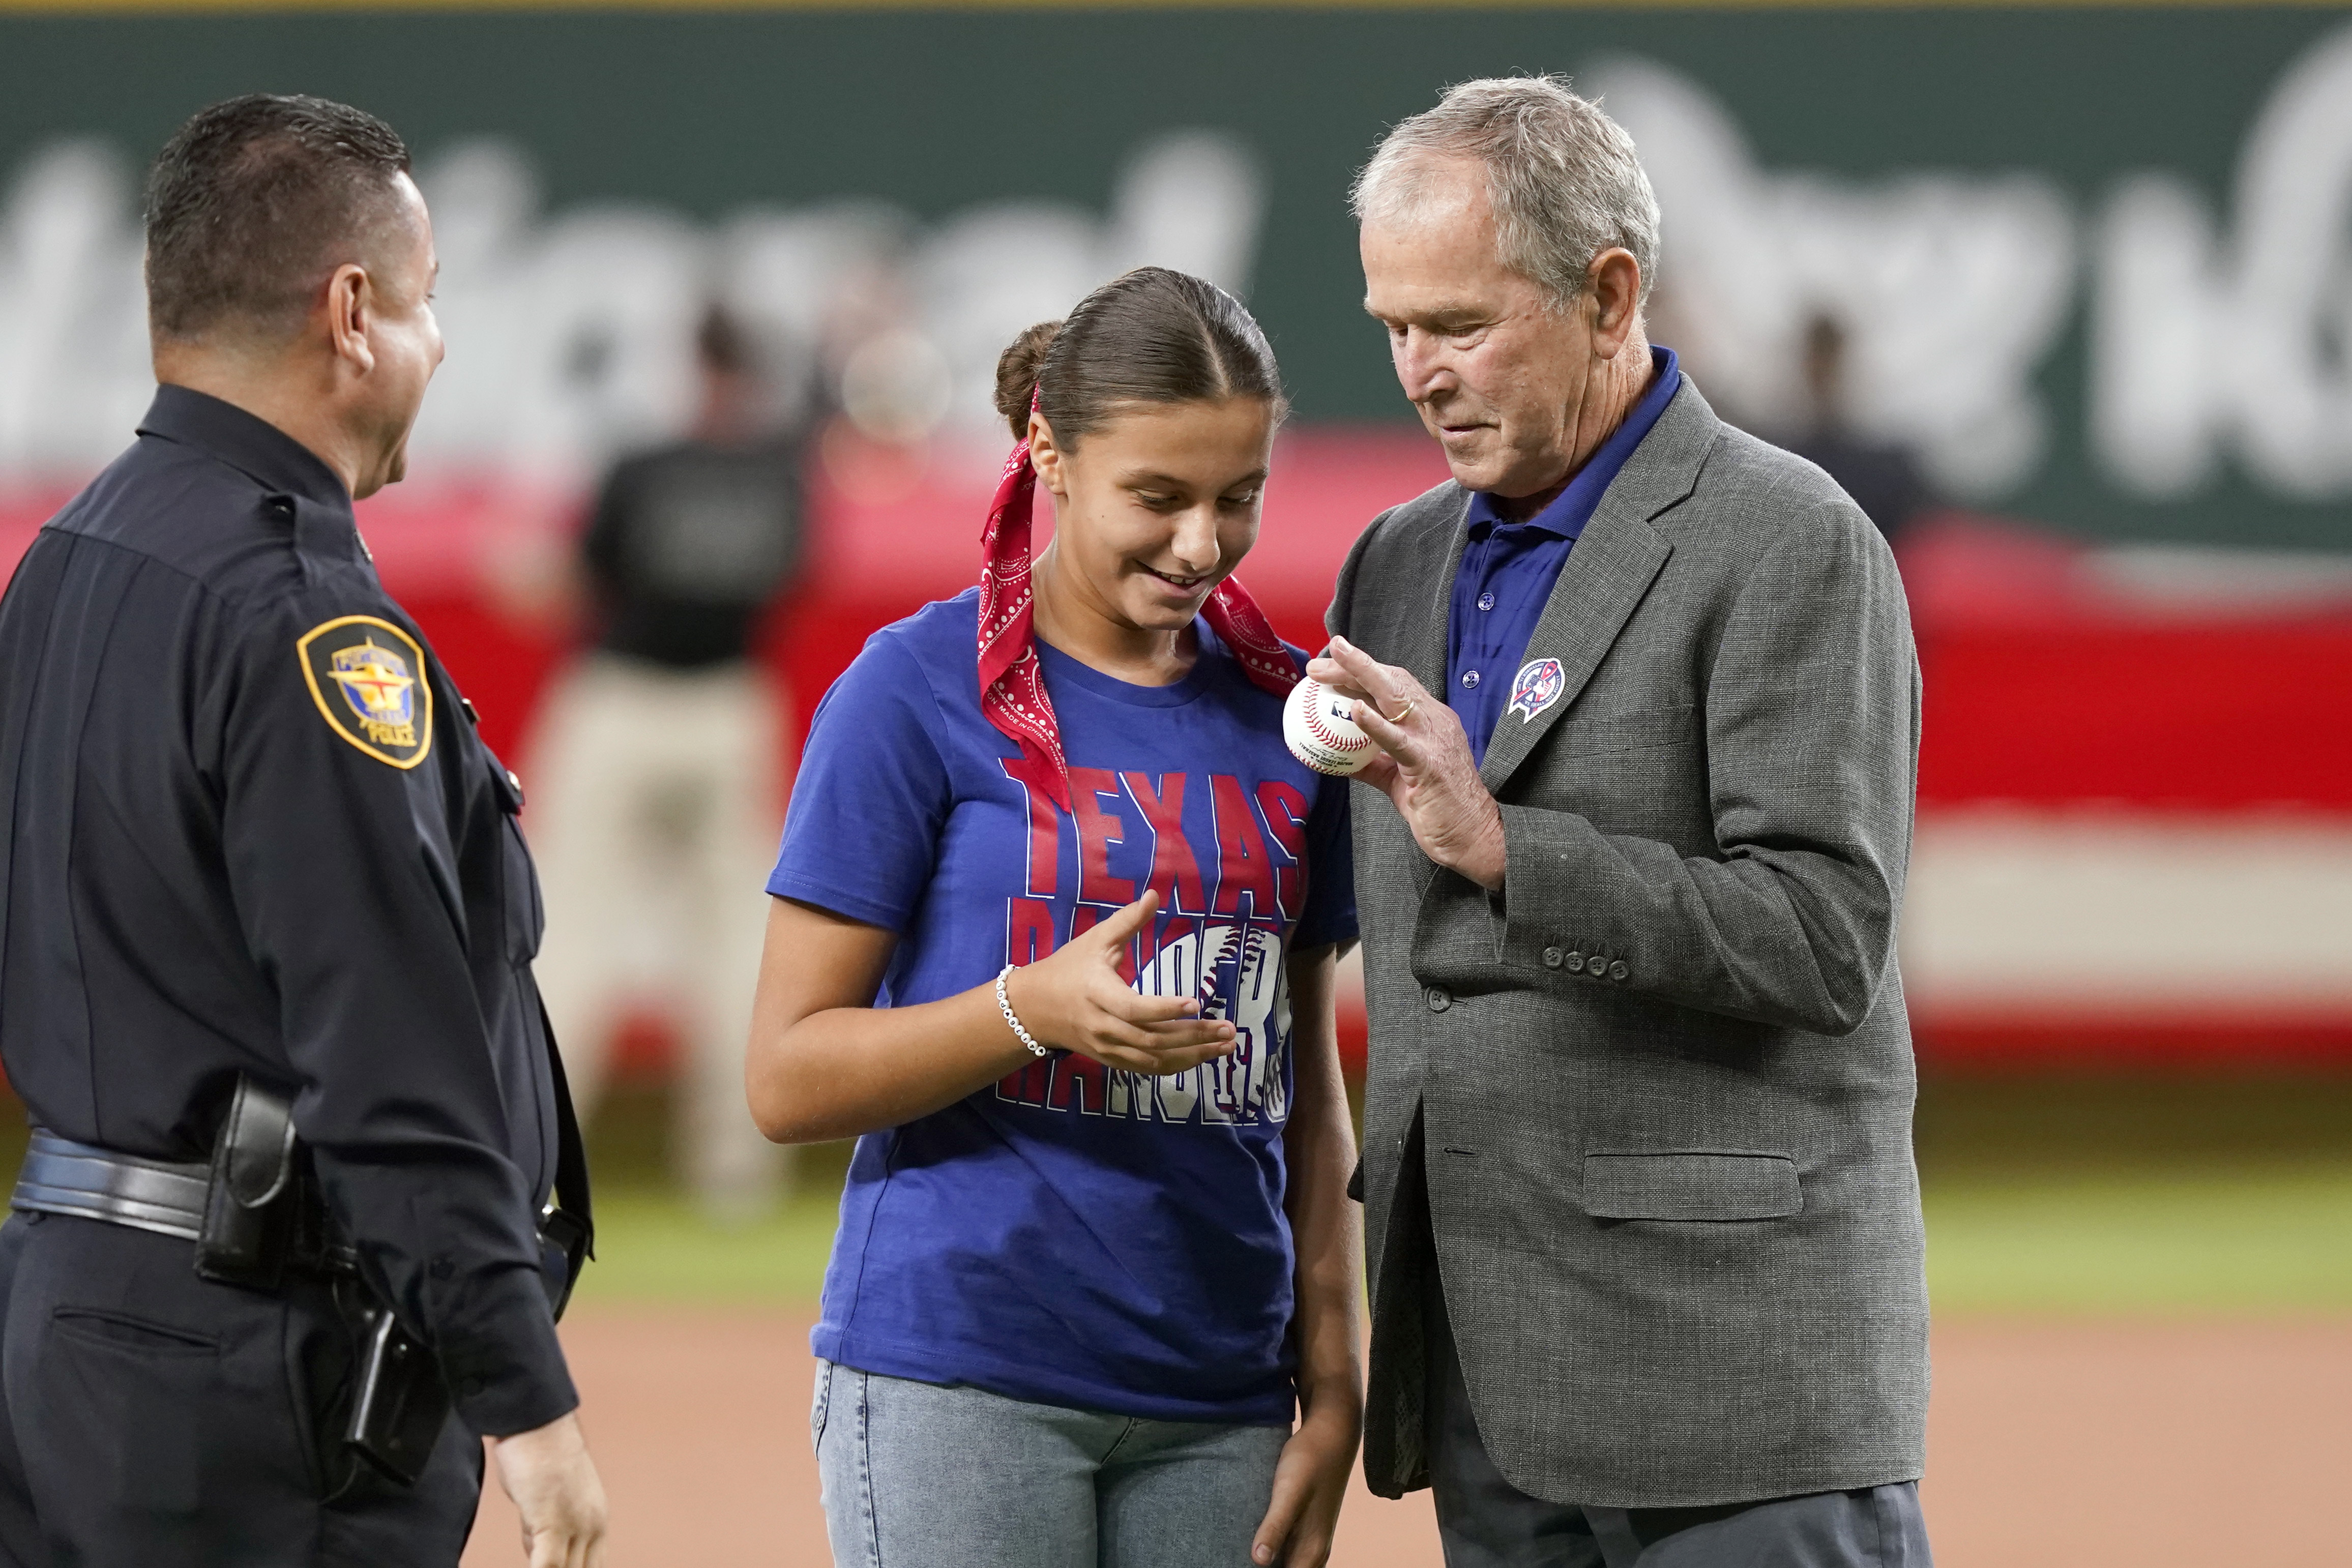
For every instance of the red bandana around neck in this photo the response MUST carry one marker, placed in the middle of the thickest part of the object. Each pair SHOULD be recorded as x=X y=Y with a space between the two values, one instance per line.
x=1013 y=684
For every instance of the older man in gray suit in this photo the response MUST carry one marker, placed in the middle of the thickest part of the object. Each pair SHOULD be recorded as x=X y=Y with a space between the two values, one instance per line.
x=1645 y=1228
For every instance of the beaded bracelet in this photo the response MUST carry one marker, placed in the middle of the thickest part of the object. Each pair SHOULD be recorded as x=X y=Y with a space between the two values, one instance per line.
x=1004 y=1006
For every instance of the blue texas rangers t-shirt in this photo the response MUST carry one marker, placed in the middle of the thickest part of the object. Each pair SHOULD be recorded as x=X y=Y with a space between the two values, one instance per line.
x=1074 y=1235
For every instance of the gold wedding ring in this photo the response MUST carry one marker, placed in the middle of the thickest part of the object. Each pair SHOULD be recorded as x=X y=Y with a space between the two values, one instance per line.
x=1410 y=704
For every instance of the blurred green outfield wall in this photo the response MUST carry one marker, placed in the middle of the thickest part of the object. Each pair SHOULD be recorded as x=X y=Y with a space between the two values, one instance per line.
x=1992 y=160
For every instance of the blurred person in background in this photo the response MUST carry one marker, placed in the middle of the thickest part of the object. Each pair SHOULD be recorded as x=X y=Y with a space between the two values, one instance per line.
x=283 y=1250
x=658 y=776
x=1645 y=1248
x=1054 y=936
x=1882 y=476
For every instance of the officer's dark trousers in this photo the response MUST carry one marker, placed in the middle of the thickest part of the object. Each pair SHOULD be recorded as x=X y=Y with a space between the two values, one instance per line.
x=1484 y=1521
x=156 y=1420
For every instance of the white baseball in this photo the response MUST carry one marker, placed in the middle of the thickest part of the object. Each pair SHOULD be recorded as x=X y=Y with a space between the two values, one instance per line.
x=1319 y=727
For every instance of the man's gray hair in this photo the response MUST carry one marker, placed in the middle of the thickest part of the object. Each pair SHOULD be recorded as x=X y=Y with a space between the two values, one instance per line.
x=1562 y=179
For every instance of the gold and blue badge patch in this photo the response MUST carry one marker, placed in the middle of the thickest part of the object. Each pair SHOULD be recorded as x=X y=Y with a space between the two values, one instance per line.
x=368 y=678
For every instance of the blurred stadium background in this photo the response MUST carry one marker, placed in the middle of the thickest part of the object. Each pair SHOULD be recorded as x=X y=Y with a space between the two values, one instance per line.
x=2093 y=272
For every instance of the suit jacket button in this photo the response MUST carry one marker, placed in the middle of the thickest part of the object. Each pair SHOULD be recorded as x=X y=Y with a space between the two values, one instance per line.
x=1438 y=1001
x=1551 y=957
x=1576 y=963
x=1618 y=971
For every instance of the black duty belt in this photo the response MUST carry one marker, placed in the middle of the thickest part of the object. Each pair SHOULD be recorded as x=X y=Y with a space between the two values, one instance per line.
x=256 y=1211
x=257 y=1216
x=61 y=1177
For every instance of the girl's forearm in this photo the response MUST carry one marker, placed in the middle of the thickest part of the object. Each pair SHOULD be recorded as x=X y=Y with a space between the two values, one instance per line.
x=1320 y=1148
x=851 y=1070
x=1331 y=1355
x=823 y=1062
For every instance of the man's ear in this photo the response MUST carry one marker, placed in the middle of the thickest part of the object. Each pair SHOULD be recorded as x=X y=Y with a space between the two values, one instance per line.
x=1047 y=458
x=1613 y=295
x=350 y=301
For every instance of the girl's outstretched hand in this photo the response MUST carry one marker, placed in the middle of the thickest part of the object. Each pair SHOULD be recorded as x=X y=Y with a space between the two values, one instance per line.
x=1078 y=1000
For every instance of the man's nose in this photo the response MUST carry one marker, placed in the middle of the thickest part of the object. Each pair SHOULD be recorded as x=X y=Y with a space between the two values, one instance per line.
x=1421 y=364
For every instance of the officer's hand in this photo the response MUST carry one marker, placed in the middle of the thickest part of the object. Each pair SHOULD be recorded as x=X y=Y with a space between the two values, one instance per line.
x=548 y=1473
x=1078 y=1000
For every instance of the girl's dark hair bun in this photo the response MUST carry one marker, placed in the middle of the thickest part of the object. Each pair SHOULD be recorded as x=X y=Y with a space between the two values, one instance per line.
x=1016 y=374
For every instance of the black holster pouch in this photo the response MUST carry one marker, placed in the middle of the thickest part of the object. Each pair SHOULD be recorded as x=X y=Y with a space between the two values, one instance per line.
x=265 y=1216
x=399 y=1400
x=251 y=1207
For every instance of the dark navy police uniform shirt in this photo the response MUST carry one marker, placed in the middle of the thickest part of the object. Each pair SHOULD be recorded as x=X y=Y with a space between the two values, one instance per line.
x=1508 y=569
x=1072 y=1235
x=250 y=830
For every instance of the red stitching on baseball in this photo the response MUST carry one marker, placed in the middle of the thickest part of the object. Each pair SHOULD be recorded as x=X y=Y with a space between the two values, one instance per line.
x=1315 y=728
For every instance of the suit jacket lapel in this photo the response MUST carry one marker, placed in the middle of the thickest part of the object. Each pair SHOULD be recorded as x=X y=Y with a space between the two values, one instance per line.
x=1420 y=641
x=1608 y=572
x=1420 y=634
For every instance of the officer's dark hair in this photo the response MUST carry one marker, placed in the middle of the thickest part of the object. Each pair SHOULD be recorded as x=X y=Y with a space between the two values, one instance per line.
x=255 y=203
x=1152 y=336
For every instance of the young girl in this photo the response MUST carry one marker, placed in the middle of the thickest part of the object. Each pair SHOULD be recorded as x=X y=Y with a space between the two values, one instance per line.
x=1053 y=936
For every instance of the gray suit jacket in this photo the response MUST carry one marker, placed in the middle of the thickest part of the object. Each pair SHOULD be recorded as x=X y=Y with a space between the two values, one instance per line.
x=1664 y=1077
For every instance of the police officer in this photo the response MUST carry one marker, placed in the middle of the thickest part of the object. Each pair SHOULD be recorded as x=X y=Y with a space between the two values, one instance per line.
x=284 y=1250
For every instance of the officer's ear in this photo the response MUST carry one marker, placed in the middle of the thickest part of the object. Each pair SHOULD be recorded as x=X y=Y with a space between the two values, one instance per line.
x=350 y=303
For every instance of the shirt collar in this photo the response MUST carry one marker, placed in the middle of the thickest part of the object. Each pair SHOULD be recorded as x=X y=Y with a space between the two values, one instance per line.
x=1570 y=511
x=250 y=445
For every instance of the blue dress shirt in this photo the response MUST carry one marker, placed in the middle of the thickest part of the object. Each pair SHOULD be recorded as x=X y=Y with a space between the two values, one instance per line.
x=1508 y=569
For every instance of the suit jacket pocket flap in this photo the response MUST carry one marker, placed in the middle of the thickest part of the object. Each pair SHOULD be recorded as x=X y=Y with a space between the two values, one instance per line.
x=1597 y=735
x=1693 y=1185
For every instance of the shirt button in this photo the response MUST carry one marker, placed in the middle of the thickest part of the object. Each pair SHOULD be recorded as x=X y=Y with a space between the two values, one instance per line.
x=1552 y=957
x=1438 y=1001
x=1470 y=680
x=1486 y=601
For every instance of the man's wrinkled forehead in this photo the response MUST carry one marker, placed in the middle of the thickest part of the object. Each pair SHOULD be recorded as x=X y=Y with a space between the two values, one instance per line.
x=1436 y=188
x=1436 y=260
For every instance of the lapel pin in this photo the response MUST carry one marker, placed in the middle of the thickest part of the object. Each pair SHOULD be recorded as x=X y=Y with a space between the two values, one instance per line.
x=1536 y=687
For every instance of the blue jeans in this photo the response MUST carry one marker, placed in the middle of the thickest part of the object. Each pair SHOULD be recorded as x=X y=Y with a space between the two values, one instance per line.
x=919 y=1476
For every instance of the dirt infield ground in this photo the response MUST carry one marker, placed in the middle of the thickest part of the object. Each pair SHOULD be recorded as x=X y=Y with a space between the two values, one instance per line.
x=2142 y=1445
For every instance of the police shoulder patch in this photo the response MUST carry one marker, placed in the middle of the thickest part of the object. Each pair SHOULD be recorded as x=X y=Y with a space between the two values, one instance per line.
x=368 y=678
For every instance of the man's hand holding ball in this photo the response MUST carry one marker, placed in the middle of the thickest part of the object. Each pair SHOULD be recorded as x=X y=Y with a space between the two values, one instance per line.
x=1423 y=761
